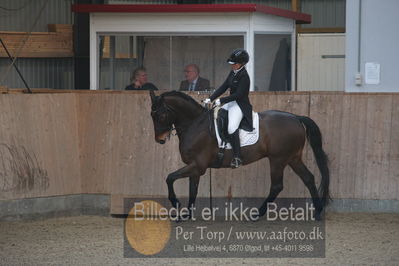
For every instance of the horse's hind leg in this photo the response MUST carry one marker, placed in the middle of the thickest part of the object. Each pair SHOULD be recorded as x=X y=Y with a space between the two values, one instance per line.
x=276 y=174
x=194 y=182
x=308 y=179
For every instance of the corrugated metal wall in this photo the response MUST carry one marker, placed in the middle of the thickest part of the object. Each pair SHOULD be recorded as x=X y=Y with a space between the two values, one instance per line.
x=325 y=13
x=54 y=73
x=20 y=15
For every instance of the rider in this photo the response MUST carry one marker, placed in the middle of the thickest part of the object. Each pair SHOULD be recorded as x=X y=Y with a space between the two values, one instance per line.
x=237 y=103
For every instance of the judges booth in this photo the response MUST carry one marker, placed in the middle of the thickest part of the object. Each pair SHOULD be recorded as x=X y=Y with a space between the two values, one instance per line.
x=165 y=38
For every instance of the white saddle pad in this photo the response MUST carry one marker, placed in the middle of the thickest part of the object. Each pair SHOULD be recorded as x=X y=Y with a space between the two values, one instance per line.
x=246 y=138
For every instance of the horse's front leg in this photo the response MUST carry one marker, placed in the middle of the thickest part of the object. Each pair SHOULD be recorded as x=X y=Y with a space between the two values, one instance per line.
x=186 y=171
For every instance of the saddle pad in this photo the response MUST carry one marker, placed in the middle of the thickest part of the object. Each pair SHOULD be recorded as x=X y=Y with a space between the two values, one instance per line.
x=246 y=138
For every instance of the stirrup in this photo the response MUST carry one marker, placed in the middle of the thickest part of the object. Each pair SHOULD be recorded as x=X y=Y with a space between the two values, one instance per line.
x=236 y=162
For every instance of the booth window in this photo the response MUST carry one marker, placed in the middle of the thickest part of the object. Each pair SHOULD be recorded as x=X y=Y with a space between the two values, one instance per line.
x=164 y=57
x=272 y=62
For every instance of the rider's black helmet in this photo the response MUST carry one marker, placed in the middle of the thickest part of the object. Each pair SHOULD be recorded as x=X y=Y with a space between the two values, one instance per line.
x=238 y=56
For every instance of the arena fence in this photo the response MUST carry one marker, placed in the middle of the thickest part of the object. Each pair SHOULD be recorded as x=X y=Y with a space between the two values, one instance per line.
x=102 y=143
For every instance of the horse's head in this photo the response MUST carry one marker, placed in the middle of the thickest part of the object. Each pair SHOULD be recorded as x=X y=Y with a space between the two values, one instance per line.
x=173 y=108
x=162 y=117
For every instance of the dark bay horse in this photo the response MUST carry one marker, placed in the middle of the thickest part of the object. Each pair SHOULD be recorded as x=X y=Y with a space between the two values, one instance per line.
x=282 y=138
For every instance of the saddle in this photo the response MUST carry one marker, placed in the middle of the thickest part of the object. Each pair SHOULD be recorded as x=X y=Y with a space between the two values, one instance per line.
x=248 y=136
x=222 y=122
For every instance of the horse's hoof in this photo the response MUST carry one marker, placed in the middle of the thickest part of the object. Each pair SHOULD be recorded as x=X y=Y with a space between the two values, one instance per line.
x=183 y=218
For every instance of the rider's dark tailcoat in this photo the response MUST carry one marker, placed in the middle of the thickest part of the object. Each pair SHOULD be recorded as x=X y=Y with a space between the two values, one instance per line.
x=239 y=90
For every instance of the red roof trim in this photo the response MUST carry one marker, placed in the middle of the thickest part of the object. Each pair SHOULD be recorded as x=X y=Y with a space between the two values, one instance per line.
x=172 y=8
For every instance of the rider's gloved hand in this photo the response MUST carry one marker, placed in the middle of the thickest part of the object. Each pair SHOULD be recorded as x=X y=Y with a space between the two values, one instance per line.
x=207 y=101
x=217 y=102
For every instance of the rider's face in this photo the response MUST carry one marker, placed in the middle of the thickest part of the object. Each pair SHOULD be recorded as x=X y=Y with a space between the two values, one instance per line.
x=235 y=66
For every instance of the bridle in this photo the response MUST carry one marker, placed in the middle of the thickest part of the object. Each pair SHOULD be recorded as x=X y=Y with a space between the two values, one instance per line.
x=170 y=120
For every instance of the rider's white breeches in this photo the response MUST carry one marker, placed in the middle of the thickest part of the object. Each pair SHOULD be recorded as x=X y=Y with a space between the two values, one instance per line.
x=235 y=116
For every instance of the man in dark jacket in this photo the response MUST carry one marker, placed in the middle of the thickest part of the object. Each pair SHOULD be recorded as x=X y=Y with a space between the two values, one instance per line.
x=237 y=103
x=193 y=81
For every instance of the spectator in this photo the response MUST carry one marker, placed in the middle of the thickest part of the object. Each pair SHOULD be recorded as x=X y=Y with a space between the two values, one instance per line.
x=140 y=80
x=193 y=81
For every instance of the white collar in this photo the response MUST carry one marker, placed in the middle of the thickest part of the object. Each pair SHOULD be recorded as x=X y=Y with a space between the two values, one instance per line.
x=238 y=70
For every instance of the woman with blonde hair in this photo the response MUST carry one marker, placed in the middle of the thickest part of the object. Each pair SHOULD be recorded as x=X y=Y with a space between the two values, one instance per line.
x=140 y=80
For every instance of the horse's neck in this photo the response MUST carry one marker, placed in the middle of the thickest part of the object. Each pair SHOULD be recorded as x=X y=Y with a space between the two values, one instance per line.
x=186 y=116
x=185 y=112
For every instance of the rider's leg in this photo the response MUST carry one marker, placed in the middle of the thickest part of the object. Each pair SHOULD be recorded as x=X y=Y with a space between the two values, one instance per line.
x=226 y=106
x=235 y=143
x=235 y=117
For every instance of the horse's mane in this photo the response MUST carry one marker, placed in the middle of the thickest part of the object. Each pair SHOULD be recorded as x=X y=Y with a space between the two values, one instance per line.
x=183 y=96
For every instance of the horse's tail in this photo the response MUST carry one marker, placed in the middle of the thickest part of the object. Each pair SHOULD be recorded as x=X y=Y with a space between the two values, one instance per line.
x=315 y=139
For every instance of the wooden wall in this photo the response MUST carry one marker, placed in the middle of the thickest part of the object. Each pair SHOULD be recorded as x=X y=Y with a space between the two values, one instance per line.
x=42 y=134
x=102 y=142
x=358 y=130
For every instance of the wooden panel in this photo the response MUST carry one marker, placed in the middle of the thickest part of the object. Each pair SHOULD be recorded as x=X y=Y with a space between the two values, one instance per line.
x=356 y=131
x=60 y=28
x=316 y=73
x=322 y=30
x=117 y=142
x=38 y=146
x=392 y=191
x=102 y=142
x=351 y=167
x=379 y=111
x=3 y=89
x=349 y=122
x=57 y=43
x=326 y=111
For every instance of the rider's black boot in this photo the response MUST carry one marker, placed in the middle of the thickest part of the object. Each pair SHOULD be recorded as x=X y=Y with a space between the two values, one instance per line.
x=235 y=143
